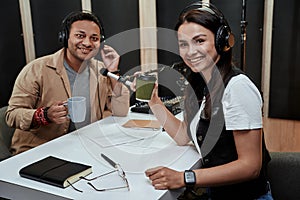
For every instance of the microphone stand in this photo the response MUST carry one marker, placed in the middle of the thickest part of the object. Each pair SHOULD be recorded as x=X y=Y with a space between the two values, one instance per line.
x=244 y=23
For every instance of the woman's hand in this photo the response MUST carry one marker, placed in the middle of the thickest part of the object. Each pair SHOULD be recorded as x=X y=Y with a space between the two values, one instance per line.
x=164 y=178
x=154 y=97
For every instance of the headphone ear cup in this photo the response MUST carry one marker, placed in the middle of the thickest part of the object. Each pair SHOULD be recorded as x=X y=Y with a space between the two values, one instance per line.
x=102 y=38
x=224 y=39
x=230 y=40
x=102 y=33
x=63 y=38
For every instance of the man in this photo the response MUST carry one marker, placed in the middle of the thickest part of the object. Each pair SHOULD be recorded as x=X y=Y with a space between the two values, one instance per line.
x=36 y=107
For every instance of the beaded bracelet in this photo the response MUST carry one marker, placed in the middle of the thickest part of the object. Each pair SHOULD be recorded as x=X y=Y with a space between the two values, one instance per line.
x=40 y=116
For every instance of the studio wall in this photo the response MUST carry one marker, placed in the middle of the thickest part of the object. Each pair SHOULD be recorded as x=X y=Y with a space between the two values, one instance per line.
x=254 y=17
x=120 y=16
x=125 y=18
x=11 y=48
x=285 y=71
x=46 y=22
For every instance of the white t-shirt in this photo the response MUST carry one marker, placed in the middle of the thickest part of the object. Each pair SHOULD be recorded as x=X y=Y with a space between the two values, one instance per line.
x=242 y=104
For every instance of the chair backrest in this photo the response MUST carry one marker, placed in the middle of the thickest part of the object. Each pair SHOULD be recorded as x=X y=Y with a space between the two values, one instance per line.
x=284 y=173
x=6 y=134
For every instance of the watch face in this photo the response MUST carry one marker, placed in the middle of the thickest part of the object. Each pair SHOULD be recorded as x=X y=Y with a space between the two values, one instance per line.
x=189 y=177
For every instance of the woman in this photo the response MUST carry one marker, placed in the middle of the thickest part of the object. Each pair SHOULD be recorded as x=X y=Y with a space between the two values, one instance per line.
x=229 y=132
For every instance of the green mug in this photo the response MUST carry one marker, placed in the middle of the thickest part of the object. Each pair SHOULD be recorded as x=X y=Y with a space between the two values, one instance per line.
x=144 y=87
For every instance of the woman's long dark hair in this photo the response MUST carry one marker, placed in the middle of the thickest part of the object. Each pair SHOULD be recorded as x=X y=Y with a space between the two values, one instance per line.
x=194 y=94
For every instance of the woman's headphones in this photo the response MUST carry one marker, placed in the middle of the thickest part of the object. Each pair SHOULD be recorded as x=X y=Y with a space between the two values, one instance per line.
x=63 y=35
x=224 y=39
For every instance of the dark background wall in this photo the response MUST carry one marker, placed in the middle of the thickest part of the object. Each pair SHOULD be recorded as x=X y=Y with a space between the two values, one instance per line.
x=232 y=9
x=11 y=48
x=119 y=16
x=167 y=12
x=46 y=25
x=285 y=71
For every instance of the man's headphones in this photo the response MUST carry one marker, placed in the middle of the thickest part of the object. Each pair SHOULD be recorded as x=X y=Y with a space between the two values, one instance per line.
x=224 y=39
x=72 y=17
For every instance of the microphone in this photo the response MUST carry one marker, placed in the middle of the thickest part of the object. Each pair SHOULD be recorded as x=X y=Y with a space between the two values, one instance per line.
x=121 y=79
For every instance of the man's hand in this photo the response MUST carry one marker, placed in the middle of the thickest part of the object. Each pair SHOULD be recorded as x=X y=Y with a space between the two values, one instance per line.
x=110 y=58
x=57 y=113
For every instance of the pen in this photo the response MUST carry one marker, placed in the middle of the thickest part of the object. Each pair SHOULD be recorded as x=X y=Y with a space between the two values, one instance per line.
x=112 y=163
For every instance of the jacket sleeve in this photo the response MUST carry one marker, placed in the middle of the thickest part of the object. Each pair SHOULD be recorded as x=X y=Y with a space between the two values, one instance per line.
x=116 y=104
x=120 y=104
x=23 y=100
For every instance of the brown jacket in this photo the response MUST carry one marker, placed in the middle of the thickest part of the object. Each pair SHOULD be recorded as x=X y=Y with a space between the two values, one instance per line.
x=45 y=81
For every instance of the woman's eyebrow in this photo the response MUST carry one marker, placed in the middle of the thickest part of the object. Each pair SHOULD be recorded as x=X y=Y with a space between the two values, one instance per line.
x=198 y=36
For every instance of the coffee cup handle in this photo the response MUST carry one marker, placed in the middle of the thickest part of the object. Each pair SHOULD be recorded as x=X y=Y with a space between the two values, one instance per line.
x=66 y=105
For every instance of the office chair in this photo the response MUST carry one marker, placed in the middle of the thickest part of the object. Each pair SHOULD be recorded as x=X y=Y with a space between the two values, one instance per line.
x=283 y=173
x=6 y=134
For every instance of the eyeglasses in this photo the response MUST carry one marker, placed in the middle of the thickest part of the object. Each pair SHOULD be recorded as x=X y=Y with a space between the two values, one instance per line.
x=118 y=169
x=121 y=173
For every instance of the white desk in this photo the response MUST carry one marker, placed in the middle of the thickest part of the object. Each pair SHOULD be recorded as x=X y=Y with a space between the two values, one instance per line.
x=157 y=148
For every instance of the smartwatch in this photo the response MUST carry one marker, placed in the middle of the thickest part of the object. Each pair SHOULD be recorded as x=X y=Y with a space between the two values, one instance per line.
x=189 y=178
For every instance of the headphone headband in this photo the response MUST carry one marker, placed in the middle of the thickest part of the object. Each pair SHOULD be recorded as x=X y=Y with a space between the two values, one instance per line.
x=205 y=7
x=63 y=35
x=224 y=39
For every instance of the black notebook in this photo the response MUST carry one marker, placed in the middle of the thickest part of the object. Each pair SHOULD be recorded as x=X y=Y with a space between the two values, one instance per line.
x=55 y=171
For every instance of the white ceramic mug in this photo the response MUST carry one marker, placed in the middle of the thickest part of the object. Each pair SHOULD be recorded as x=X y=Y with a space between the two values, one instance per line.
x=77 y=108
